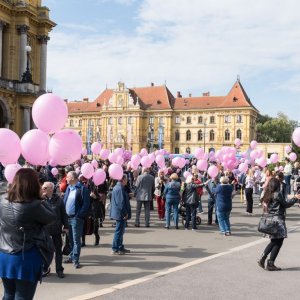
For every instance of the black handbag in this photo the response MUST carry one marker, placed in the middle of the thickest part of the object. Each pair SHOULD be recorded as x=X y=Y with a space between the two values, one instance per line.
x=66 y=250
x=268 y=225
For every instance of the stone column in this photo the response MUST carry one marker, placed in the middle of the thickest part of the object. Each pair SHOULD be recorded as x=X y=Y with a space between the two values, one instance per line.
x=26 y=117
x=43 y=61
x=2 y=24
x=22 y=30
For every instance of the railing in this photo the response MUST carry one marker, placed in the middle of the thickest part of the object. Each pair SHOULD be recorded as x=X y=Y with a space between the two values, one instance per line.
x=19 y=87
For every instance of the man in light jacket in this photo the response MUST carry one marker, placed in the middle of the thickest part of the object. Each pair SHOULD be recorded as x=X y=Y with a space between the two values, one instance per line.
x=144 y=194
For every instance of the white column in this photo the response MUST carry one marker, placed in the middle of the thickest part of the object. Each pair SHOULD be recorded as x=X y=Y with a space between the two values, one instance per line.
x=2 y=24
x=22 y=29
x=43 y=61
x=26 y=118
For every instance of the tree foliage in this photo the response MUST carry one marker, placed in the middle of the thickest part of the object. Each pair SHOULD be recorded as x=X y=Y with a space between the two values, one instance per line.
x=274 y=130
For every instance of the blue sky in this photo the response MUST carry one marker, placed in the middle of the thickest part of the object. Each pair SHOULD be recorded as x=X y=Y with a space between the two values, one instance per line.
x=193 y=45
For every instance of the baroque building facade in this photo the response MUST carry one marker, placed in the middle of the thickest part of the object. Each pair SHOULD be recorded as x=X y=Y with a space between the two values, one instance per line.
x=24 y=34
x=151 y=117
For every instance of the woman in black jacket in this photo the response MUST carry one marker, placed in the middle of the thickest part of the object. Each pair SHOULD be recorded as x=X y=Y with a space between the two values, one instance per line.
x=22 y=216
x=275 y=204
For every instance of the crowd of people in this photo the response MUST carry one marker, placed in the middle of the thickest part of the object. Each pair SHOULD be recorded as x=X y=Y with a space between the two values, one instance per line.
x=71 y=205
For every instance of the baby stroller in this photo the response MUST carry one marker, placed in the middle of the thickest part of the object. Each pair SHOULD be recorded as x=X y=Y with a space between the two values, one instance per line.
x=182 y=212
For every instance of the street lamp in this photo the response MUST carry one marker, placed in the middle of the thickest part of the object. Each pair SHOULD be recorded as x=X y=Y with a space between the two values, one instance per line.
x=27 y=77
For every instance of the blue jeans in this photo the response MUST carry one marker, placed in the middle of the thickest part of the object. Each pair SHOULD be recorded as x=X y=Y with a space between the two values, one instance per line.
x=117 y=244
x=191 y=212
x=223 y=218
x=287 y=180
x=15 y=289
x=75 y=232
x=172 y=203
x=200 y=205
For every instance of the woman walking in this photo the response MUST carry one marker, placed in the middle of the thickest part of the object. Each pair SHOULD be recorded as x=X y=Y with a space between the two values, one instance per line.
x=249 y=185
x=23 y=215
x=275 y=205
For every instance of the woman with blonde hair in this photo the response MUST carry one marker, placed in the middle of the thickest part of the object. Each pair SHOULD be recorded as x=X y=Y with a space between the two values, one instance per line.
x=172 y=196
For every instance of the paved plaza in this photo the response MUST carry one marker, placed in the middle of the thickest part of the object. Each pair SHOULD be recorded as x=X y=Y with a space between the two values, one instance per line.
x=168 y=264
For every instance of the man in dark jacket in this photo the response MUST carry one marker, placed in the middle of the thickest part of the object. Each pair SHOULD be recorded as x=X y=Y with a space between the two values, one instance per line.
x=55 y=228
x=77 y=202
x=120 y=211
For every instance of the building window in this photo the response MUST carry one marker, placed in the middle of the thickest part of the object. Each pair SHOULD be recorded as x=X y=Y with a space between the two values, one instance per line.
x=110 y=121
x=239 y=119
x=200 y=135
x=98 y=121
x=227 y=135
x=177 y=120
x=188 y=120
x=130 y=120
x=212 y=120
x=151 y=120
x=80 y=123
x=161 y=121
x=120 y=121
x=211 y=135
x=227 y=119
x=177 y=135
x=71 y=123
x=90 y=123
x=188 y=150
x=188 y=135
x=239 y=134
x=200 y=119
x=176 y=150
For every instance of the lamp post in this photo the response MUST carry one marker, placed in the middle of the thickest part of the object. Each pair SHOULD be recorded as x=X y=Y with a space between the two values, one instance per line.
x=27 y=77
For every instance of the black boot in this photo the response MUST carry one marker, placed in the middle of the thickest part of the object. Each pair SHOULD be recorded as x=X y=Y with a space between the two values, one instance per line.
x=271 y=266
x=262 y=260
x=97 y=240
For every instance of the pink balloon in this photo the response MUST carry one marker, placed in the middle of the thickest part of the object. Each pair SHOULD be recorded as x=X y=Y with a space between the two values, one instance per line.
x=296 y=136
x=77 y=170
x=49 y=113
x=146 y=162
x=213 y=171
x=160 y=159
x=87 y=170
x=65 y=147
x=120 y=160
x=115 y=171
x=10 y=172
x=99 y=176
x=144 y=152
x=52 y=163
x=119 y=151
x=83 y=152
x=54 y=171
x=151 y=157
x=34 y=147
x=94 y=163
x=237 y=142
x=262 y=162
x=136 y=159
x=112 y=157
x=96 y=148
x=287 y=149
x=104 y=154
x=186 y=174
x=10 y=146
x=274 y=158
x=243 y=167
x=199 y=153
x=253 y=144
x=280 y=168
x=293 y=156
x=202 y=165
x=181 y=162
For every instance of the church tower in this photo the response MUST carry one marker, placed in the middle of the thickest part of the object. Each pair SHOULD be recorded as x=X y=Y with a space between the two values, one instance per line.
x=24 y=34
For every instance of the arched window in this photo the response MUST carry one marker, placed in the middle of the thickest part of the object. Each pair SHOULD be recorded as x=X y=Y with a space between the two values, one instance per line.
x=188 y=135
x=71 y=123
x=188 y=120
x=239 y=119
x=200 y=135
x=176 y=150
x=239 y=134
x=120 y=121
x=227 y=119
x=177 y=135
x=110 y=121
x=227 y=135
x=200 y=119
x=212 y=120
x=80 y=123
x=177 y=120
x=130 y=120
x=211 y=135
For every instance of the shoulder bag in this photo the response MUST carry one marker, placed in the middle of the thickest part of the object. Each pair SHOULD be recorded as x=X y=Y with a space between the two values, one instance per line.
x=268 y=224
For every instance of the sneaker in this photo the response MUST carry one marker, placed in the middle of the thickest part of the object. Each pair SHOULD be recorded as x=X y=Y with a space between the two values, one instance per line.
x=77 y=265
x=68 y=261
x=114 y=252
x=46 y=273
x=126 y=250
x=60 y=274
x=121 y=252
x=227 y=233
x=136 y=225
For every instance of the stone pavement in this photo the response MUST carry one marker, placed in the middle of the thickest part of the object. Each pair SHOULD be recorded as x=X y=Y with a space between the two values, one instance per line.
x=214 y=271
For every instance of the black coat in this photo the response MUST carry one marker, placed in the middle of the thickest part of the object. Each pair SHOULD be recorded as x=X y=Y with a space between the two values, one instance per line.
x=56 y=203
x=21 y=223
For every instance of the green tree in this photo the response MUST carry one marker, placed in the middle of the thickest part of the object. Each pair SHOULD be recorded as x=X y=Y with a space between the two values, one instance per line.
x=275 y=130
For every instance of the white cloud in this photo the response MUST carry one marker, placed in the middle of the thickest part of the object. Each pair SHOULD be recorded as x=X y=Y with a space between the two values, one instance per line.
x=194 y=45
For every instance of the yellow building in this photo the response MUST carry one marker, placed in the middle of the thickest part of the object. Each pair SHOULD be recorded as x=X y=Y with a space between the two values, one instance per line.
x=24 y=29
x=151 y=117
